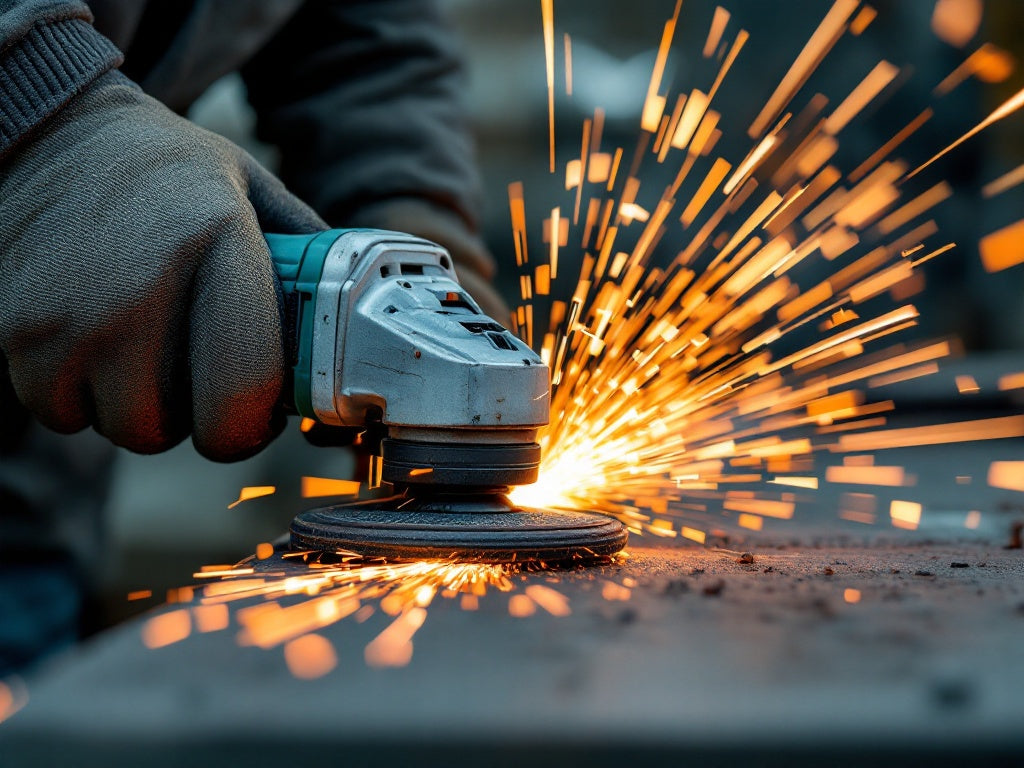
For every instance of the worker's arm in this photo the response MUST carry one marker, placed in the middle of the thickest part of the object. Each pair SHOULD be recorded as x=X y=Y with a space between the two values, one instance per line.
x=49 y=52
x=364 y=99
x=136 y=289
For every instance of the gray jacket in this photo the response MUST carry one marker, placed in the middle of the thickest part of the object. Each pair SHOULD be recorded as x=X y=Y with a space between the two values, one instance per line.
x=362 y=98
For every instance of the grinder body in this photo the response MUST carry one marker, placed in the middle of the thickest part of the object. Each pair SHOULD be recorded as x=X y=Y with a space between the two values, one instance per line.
x=381 y=332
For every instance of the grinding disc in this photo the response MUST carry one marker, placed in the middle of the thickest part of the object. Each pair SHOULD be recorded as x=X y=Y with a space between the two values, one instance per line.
x=484 y=528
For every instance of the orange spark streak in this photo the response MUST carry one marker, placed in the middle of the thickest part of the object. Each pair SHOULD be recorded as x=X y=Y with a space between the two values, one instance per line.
x=325 y=486
x=820 y=43
x=886 y=149
x=862 y=20
x=1004 y=182
x=555 y=236
x=1011 y=381
x=905 y=514
x=868 y=88
x=166 y=628
x=1007 y=474
x=718 y=172
x=654 y=104
x=252 y=492
x=955 y=432
x=1004 y=110
x=568 y=65
x=887 y=476
x=393 y=646
x=548 y=18
x=718 y=24
x=1002 y=249
x=730 y=59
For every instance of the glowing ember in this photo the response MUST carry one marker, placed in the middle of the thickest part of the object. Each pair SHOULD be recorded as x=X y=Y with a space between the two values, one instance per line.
x=905 y=514
x=264 y=550
x=310 y=656
x=13 y=696
x=1007 y=474
x=166 y=628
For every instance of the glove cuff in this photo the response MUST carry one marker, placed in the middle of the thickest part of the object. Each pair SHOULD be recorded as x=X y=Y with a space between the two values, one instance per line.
x=44 y=70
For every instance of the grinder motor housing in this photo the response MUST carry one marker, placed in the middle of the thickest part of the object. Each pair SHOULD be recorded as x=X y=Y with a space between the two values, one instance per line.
x=383 y=331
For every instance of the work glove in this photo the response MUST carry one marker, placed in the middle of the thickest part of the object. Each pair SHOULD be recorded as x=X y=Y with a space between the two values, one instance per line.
x=136 y=289
x=473 y=263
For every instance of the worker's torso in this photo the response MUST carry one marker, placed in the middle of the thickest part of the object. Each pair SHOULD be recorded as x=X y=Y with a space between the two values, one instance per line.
x=174 y=49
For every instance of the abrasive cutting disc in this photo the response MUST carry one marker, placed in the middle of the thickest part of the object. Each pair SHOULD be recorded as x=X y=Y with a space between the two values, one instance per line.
x=484 y=528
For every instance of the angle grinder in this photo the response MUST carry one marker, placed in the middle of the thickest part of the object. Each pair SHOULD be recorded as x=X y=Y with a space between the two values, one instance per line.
x=381 y=335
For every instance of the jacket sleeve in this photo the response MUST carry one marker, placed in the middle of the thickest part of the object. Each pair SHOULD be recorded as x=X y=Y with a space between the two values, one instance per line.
x=364 y=101
x=49 y=52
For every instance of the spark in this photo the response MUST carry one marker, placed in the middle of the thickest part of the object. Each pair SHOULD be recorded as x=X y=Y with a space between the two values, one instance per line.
x=547 y=11
x=718 y=25
x=1001 y=249
x=568 y=64
x=989 y=64
x=252 y=492
x=905 y=514
x=1006 y=181
x=264 y=550
x=1007 y=474
x=325 y=486
x=889 y=476
x=1011 y=381
x=957 y=21
x=310 y=656
x=211 y=618
x=966 y=385
x=521 y=606
x=862 y=20
x=820 y=43
x=1004 y=110
x=167 y=628
x=13 y=697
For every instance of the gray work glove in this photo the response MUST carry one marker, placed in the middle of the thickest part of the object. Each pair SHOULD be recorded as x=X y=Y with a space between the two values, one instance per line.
x=136 y=289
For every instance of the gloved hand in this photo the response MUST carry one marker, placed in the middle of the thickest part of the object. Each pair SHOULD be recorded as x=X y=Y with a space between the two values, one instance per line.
x=473 y=263
x=136 y=289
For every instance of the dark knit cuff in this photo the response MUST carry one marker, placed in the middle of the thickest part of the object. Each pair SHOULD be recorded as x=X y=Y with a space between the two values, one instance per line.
x=44 y=70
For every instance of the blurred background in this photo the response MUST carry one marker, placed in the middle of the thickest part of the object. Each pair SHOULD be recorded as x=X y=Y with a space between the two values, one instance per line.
x=169 y=515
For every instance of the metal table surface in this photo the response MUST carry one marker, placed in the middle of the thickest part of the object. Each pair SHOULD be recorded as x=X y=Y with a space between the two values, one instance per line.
x=689 y=654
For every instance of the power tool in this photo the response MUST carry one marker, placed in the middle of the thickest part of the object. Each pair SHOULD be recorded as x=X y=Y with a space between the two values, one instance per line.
x=382 y=336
